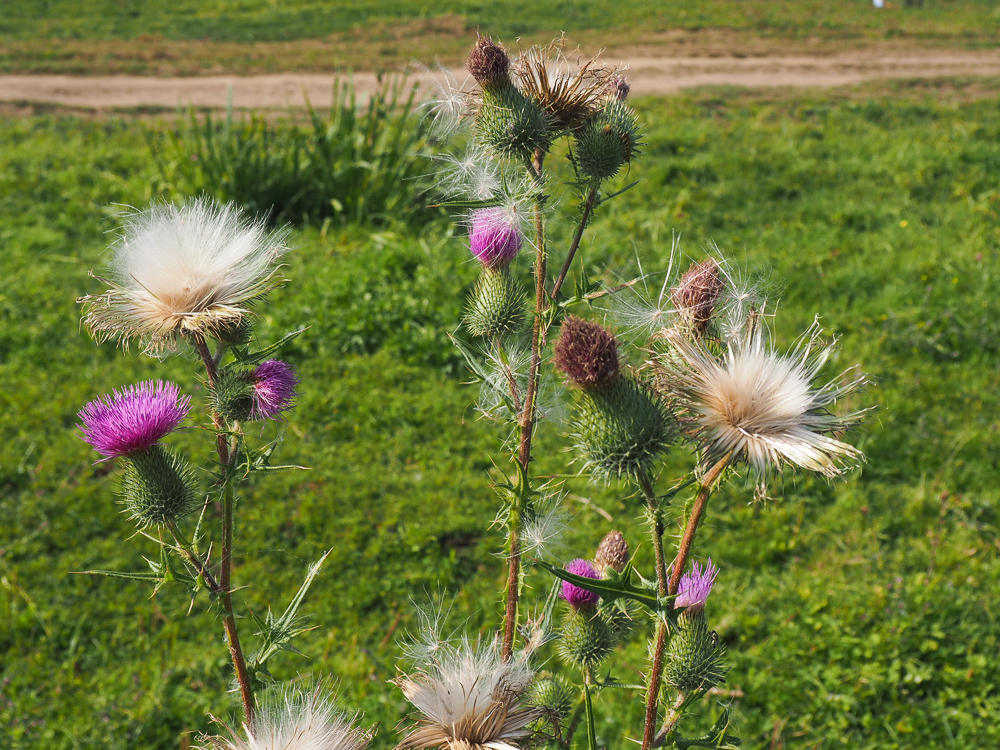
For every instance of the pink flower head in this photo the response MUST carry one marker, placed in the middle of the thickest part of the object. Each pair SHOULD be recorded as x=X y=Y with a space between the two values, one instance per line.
x=695 y=586
x=273 y=389
x=134 y=418
x=495 y=237
x=577 y=597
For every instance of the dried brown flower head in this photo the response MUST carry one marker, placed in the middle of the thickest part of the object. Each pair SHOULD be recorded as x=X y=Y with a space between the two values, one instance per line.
x=612 y=552
x=569 y=96
x=488 y=62
x=586 y=352
x=696 y=293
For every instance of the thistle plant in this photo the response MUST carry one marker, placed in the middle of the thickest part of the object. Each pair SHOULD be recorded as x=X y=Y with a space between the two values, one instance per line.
x=190 y=278
x=707 y=378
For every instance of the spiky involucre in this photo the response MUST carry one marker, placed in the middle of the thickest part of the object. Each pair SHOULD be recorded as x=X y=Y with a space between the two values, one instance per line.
x=469 y=698
x=496 y=306
x=510 y=124
x=585 y=639
x=295 y=720
x=157 y=487
x=192 y=269
x=693 y=660
x=760 y=407
x=608 y=141
x=620 y=428
x=612 y=552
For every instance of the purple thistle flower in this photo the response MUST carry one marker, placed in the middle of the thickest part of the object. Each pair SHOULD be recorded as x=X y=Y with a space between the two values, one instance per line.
x=695 y=586
x=577 y=597
x=134 y=418
x=495 y=238
x=273 y=389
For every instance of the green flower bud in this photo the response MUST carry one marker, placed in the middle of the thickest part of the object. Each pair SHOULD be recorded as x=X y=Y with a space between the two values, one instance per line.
x=693 y=660
x=554 y=695
x=620 y=427
x=585 y=638
x=512 y=124
x=607 y=142
x=157 y=487
x=232 y=396
x=234 y=332
x=496 y=307
x=620 y=617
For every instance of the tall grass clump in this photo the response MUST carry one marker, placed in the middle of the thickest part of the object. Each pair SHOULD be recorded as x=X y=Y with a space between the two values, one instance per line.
x=356 y=164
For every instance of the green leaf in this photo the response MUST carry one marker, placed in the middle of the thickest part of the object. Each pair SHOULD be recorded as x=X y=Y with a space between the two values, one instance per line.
x=244 y=356
x=622 y=588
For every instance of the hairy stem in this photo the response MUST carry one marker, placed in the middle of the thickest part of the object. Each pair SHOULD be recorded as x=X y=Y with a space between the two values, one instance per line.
x=697 y=510
x=588 y=208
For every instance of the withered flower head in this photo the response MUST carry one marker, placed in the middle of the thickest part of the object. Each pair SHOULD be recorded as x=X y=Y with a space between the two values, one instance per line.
x=696 y=293
x=488 y=62
x=569 y=96
x=586 y=352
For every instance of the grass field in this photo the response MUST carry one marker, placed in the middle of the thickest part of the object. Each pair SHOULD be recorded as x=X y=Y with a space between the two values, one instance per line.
x=857 y=615
x=188 y=37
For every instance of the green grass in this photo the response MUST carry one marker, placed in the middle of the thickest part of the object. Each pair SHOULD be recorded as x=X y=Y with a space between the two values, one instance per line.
x=197 y=36
x=857 y=615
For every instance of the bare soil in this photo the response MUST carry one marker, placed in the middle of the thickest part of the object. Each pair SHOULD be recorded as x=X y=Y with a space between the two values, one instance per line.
x=649 y=74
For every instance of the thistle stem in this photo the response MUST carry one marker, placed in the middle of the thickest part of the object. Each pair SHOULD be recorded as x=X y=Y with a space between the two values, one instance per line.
x=225 y=574
x=527 y=419
x=697 y=510
x=656 y=673
x=591 y=734
x=588 y=208
x=194 y=558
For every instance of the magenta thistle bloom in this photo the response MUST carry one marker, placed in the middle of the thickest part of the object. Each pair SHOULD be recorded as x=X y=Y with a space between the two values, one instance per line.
x=134 y=418
x=495 y=238
x=695 y=586
x=273 y=389
x=577 y=597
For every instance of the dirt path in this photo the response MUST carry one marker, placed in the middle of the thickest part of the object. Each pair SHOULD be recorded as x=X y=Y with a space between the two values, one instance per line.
x=648 y=75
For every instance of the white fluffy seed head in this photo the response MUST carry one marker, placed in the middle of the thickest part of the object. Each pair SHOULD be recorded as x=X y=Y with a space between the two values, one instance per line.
x=470 y=698
x=295 y=720
x=192 y=269
x=760 y=407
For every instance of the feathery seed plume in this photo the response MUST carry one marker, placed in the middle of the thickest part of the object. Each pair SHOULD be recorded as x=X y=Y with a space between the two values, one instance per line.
x=193 y=269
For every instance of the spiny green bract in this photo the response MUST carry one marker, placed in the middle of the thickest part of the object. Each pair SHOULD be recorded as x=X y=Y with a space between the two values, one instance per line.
x=608 y=141
x=232 y=395
x=496 y=306
x=553 y=694
x=620 y=428
x=157 y=487
x=512 y=124
x=693 y=660
x=585 y=639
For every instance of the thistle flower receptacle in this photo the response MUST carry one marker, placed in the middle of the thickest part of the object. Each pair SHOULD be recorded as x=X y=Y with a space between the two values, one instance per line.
x=580 y=598
x=133 y=419
x=295 y=720
x=760 y=407
x=695 y=586
x=697 y=293
x=586 y=352
x=193 y=269
x=469 y=698
x=612 y=553
x=494 y=237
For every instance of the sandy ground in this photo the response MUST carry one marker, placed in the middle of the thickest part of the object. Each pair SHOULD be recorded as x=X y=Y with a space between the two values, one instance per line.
x=648 y=75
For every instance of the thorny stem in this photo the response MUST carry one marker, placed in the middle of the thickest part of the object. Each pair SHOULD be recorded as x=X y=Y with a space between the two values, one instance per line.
x=527 y=420
x=671 y=723
x=588 y=208
x=573 y=724
x=656 y=673
x=193 y=558
x=697 y=510
x=225 y=575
